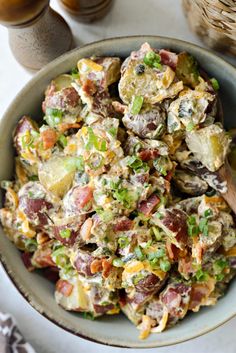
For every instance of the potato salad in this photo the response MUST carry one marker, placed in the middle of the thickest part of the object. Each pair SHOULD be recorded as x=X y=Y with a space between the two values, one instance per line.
x=105 y=201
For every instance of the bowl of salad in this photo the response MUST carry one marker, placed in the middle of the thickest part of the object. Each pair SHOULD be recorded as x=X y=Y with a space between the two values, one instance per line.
x=114 y=222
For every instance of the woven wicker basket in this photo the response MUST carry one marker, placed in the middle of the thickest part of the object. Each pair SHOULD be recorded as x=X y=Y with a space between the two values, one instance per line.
x=214 y=21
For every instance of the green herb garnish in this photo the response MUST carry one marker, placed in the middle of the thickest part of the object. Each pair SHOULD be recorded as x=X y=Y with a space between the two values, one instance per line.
x=136 y=105
x=215 y=84
x=65 y=233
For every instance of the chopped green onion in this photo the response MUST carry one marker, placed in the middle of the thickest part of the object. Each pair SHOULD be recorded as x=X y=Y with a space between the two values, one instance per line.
x=138 y=252
x=93 y=141
x=75 y=73
x=33 y=178
x=117 y=263
x=113 y=131
x=96 y=161
x=201 y=275
x=53 y=117
x=220 y=265
x=136 y=105
x=123 y=242
x=220 y=277
x=190 y=126
x=27 y=141
x=31 y=244
x=74 y=163
x=148 y=244
x=105 y=215
x=165 y=265
x=136 y=163
x=215 y=84
x=103 y=146
x=157 y=254
x=63 y=140
x=138 y=278
x=208 y=213
x=193 y=228
x=156 y=233
x=203 y=226
x=65 y=233
x=89 y=316
x=152 y=59
x=160 y=164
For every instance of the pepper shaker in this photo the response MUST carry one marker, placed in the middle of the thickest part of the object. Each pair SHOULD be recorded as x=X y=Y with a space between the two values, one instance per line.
x=87 y=11
x=37 y=34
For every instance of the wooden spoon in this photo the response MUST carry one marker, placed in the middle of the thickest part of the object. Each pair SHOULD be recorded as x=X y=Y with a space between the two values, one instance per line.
x=222 y=180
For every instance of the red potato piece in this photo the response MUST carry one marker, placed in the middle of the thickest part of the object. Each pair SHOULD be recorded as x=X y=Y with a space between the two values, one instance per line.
x=66 y=99
x=176 y=298
x=103 y=309
x=25 y=124
x=33 y=203
x=64 y=287
x=72 y=227
x=123 y=224
x=43 y=256
x=148 y=155
x=200 y=293
x=26 y=258
x=83 y=263
x=79 y=200
x=51 y=273
x=144 y=290
x=174 y=223
x=168 y=58
x=146 y=207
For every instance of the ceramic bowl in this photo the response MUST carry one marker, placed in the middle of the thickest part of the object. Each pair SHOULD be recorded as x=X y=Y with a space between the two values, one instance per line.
x=117 y=330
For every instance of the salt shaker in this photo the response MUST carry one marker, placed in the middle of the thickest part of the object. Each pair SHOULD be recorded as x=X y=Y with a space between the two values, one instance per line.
x=87 y=11
x=37 y=34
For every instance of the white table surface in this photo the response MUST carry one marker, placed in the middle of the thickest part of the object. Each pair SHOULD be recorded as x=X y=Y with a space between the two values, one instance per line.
x=128 y=17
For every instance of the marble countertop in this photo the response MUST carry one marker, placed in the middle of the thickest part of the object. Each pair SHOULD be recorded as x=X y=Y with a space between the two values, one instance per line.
x=157 y=17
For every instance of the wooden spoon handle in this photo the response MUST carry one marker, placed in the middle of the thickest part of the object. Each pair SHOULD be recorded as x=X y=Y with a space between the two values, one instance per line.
x=221 y=180
x=225 y=173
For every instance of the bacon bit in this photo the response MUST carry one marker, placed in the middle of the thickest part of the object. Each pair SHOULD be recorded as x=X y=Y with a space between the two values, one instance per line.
x=85 y=230
x=42 y=238
x=26 y=258
x=64 y=287
x=122 y=225
x=66 y=126
x=49 y=138
x=169 y=175
x=200 y=294
x=107 y=266
x=147 y=155
x=168 y=58
x=146 y=207
x=167 y=186
x=96 y=266
x=172 y=251
x=197 y=250
x=42 y=257
x=185 y=265
x=89 y=87
x=118 y=107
